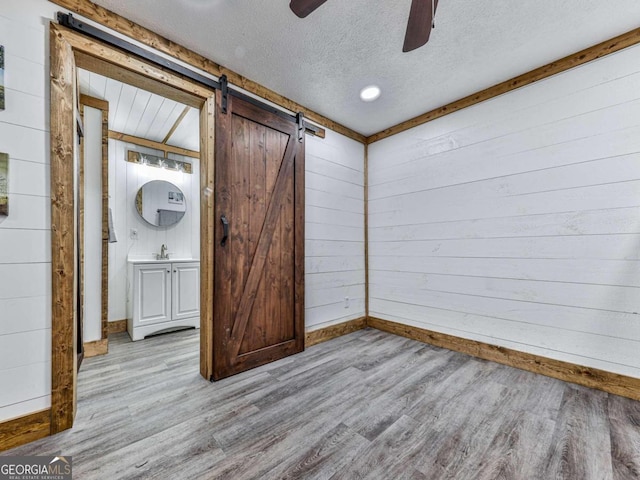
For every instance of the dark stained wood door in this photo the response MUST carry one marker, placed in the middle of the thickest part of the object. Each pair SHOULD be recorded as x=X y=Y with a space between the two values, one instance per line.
x=259 y=269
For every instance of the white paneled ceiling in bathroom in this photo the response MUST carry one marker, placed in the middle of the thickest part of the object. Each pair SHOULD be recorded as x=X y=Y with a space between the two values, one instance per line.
x=143 y=114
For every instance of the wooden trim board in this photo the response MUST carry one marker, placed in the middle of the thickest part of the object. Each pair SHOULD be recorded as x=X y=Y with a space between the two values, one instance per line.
x=63 y=268
x=96 y=348
x=94 y=102
x=592 y=53
x=118 y=326
x=104 y=302
x=334 y=331
x=207 y=229
x=589 y=377
x=21 y=430
x=143 y=142
x=321 y=133
x=147 y=37
x=81 y=235
x=135 y=77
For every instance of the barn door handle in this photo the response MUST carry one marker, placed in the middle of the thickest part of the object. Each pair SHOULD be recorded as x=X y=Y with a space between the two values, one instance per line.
x=225 y=229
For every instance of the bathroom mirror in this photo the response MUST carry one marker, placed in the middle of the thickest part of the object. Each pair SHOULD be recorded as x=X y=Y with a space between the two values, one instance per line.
x=161 y=203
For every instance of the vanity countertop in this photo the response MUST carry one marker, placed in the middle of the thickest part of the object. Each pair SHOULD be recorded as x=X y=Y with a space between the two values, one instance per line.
x=165 y=260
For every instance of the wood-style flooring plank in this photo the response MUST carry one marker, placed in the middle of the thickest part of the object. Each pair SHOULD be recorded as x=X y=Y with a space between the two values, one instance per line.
x=330 y=454
x=581 y=445
x=624 y=415
x=518 y=450
x=367 y=405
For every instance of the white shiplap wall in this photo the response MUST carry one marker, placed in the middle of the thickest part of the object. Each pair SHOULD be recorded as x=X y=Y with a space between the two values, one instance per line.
x=182 y=239
x=516 y=222
x=334 y=244
x=25 y=238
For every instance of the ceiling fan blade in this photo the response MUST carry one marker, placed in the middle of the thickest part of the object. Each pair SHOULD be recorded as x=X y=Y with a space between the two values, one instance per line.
x=302 y=8
x=419 y=24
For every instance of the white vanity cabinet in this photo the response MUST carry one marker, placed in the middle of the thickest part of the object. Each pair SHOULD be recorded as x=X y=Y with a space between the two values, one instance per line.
x=185 y=290
x=162 y=296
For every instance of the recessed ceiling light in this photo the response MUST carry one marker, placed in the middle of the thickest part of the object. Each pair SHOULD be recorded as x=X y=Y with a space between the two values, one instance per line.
x=370 y=93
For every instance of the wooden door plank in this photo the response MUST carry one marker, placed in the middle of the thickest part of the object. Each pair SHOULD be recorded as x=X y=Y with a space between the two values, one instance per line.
x=259 y=196
x=268 y=324
x=276 y=144
x=223 y=273
x=287 y=258
x=238 y=254
x=256 y=269
x=299 y=208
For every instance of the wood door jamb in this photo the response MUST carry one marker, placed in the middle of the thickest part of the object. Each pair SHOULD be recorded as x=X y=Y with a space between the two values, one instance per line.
x=64 y=47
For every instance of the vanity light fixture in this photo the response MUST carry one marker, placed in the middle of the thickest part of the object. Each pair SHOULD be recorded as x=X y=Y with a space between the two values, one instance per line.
x=158 y=162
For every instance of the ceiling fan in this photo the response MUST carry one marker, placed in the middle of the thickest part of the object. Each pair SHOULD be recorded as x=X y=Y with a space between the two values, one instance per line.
x=419 y=25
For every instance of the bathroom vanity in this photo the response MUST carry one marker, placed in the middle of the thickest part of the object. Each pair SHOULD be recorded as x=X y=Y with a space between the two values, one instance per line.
x=163 y=295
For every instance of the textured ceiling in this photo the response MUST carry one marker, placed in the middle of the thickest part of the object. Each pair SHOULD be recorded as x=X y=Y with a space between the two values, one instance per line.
x=323 y=61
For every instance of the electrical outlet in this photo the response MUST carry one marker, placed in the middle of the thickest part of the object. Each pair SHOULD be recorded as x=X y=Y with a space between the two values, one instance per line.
x=133 y=234
x=347 y=302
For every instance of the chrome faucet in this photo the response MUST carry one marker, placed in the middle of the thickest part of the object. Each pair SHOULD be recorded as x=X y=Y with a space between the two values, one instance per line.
x=163 y=255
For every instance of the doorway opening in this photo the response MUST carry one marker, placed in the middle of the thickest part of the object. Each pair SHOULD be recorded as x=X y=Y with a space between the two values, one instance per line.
x=71 y=52
x=139 y=212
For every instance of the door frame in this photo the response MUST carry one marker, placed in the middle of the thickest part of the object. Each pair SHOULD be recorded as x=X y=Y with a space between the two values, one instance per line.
x=70 y=50
x=98 y=347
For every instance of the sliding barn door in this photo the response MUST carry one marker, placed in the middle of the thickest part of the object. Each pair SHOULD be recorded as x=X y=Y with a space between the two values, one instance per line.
x=259 y=241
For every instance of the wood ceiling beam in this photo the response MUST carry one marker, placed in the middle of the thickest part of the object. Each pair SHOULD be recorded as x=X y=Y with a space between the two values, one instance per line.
x=176 y=125
x=143 y=142
x=147 y=37
x=587 y=55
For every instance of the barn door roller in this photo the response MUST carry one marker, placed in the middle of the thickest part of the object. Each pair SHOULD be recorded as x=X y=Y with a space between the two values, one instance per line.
x=300 y=121
x=224 y=88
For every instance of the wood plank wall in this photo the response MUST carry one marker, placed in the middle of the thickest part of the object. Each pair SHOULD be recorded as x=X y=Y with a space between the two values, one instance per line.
x=334 y=246
x=183 y=240
x=515 y=222
x=25 y=237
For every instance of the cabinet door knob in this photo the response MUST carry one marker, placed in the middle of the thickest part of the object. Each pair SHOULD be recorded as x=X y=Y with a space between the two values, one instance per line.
x=168 y=271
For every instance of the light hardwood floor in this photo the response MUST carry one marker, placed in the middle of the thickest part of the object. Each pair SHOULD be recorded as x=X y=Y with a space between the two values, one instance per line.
x=367 y=405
